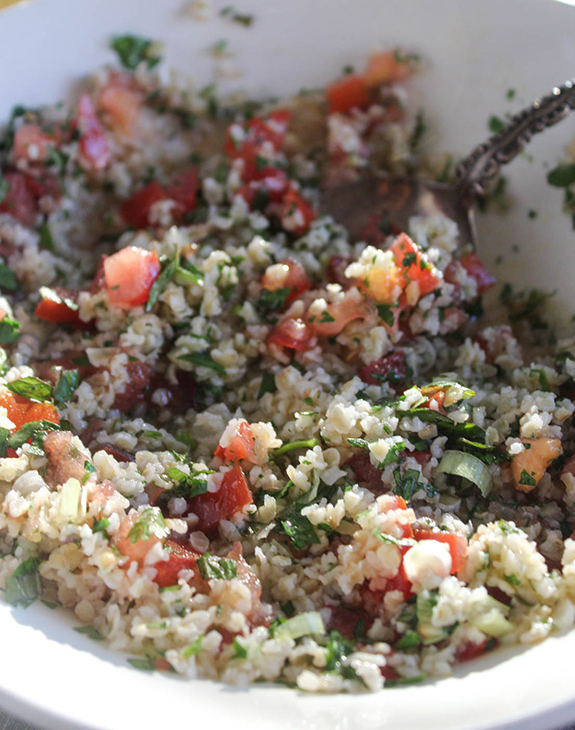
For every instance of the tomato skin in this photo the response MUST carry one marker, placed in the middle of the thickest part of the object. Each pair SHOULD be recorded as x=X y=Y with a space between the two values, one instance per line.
x=295 y=334
x=129 y=275
x=136 y=210
x=30 y=138
x=457 y=545
x=139 y=377
x=183 y=190
x=59 y=312
x=392 y=368
x=240 y=447
x=293 y=277
x=347 y=93
x=384 y=68
x=403 y=246
x=340 y=313
x=21 y=410
x=475 y=268
x=212 y=507
x=270 y=186
x=296 y=206
x=470 y=651
x=19 y=202
x=94 y=150
x=167 y=571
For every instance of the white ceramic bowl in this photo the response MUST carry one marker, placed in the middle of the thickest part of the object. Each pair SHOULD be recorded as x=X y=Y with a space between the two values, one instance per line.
x=474 y=52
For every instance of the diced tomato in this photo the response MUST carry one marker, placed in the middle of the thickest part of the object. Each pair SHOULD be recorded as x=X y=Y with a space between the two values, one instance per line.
x=400 y=583
x=336 y=268
x=41 y=182
x=19 y=202
x=49 y=369
x=99 y=280
x=345 y=621
x=470 y=650
x=297 y=213
x=292 y=333
x=530 y=465
x=119 y=454
x=212 y=507
x=422 y=457
x=95 y=152
x=183 y=189
x=21 y=410
x=475 y=268
x=389 y=672
x=122 y=101
x=59 y=305
x=457 y=545
x=408 y=258
x=240 y=447
x=136 y=210
x=139 y=377
x=130 y=274
x=270 y=186
x=347 y=93
x=378 y=228
x=366 y=473
x=261 y=134
x=289 y=274
x=391 y=369
x=386 y=68
x=394 y=502
x=137 y=550
x=32 y=143
x=339 y=314
x=167 y=571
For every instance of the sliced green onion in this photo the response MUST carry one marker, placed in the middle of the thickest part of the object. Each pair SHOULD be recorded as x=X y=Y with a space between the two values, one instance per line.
x=493 y=623
x=70 y=498
x=307 y=444
x=303 y=624
x=469 y=467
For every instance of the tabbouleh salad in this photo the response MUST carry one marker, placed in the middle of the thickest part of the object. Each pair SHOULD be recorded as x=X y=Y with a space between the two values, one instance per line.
x=239 y=445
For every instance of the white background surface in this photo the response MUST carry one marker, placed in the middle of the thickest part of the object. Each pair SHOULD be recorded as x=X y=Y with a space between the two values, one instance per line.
x=474 y=52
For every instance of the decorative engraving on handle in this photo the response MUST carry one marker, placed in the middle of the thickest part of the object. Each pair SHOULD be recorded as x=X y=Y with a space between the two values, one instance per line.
x=474 y=173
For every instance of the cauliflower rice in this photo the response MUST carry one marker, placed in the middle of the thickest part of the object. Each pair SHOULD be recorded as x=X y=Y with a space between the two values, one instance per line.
x=237 y=444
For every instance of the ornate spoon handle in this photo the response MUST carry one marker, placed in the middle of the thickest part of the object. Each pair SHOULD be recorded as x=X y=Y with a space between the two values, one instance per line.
x=476 y=171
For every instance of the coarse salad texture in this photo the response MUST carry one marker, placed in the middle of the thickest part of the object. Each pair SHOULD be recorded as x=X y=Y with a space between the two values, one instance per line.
x=238 y=444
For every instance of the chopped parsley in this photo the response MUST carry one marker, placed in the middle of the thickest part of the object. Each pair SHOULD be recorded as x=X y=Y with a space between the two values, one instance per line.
x=67 y=383
x=23 y=587
x=194 y=648
x=8 y=279
x=187 y=485
x=133 y=49
x=90 y=632
x=496 y=125
x=240 y=651
x=9 y=331
x=100 y=525
x=159 y=286
x=527 y=479
x=245 y=19
x=149 y=523
x=89 y=469
x=28 y=431
x=271 y=300
x=268 y=385
x=31 y=388
x=204 y=360
x=219 y=568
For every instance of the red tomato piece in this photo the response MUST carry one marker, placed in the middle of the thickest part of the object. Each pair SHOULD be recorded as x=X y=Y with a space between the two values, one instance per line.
x=167 y=571
x=232 y=496
x=136 y=210
x=408 y=258
x=94 y=150
x=457 y=546
x=294 y=334
x=387 y=68
x=260 y=135
x=122 y=102
x=58 y=305
x=475 y=268
x=400 y=583
x=269 y=187
x=240 y=447
x=347 y=93
x=32 y=143
x=41 y=182
x=470 y=651
x=391 y=369
x=21 y=410
x=139 y=377
x=130 y=274
x=366 y=473
x=183 y=190
x=345 y=621
x=297 y=213
x=19 y=202
x=292 y=276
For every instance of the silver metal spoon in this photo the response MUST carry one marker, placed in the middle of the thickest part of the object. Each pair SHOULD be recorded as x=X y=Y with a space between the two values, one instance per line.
x=397 y=198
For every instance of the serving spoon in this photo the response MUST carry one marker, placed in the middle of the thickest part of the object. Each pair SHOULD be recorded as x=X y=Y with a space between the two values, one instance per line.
x=396 y=198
